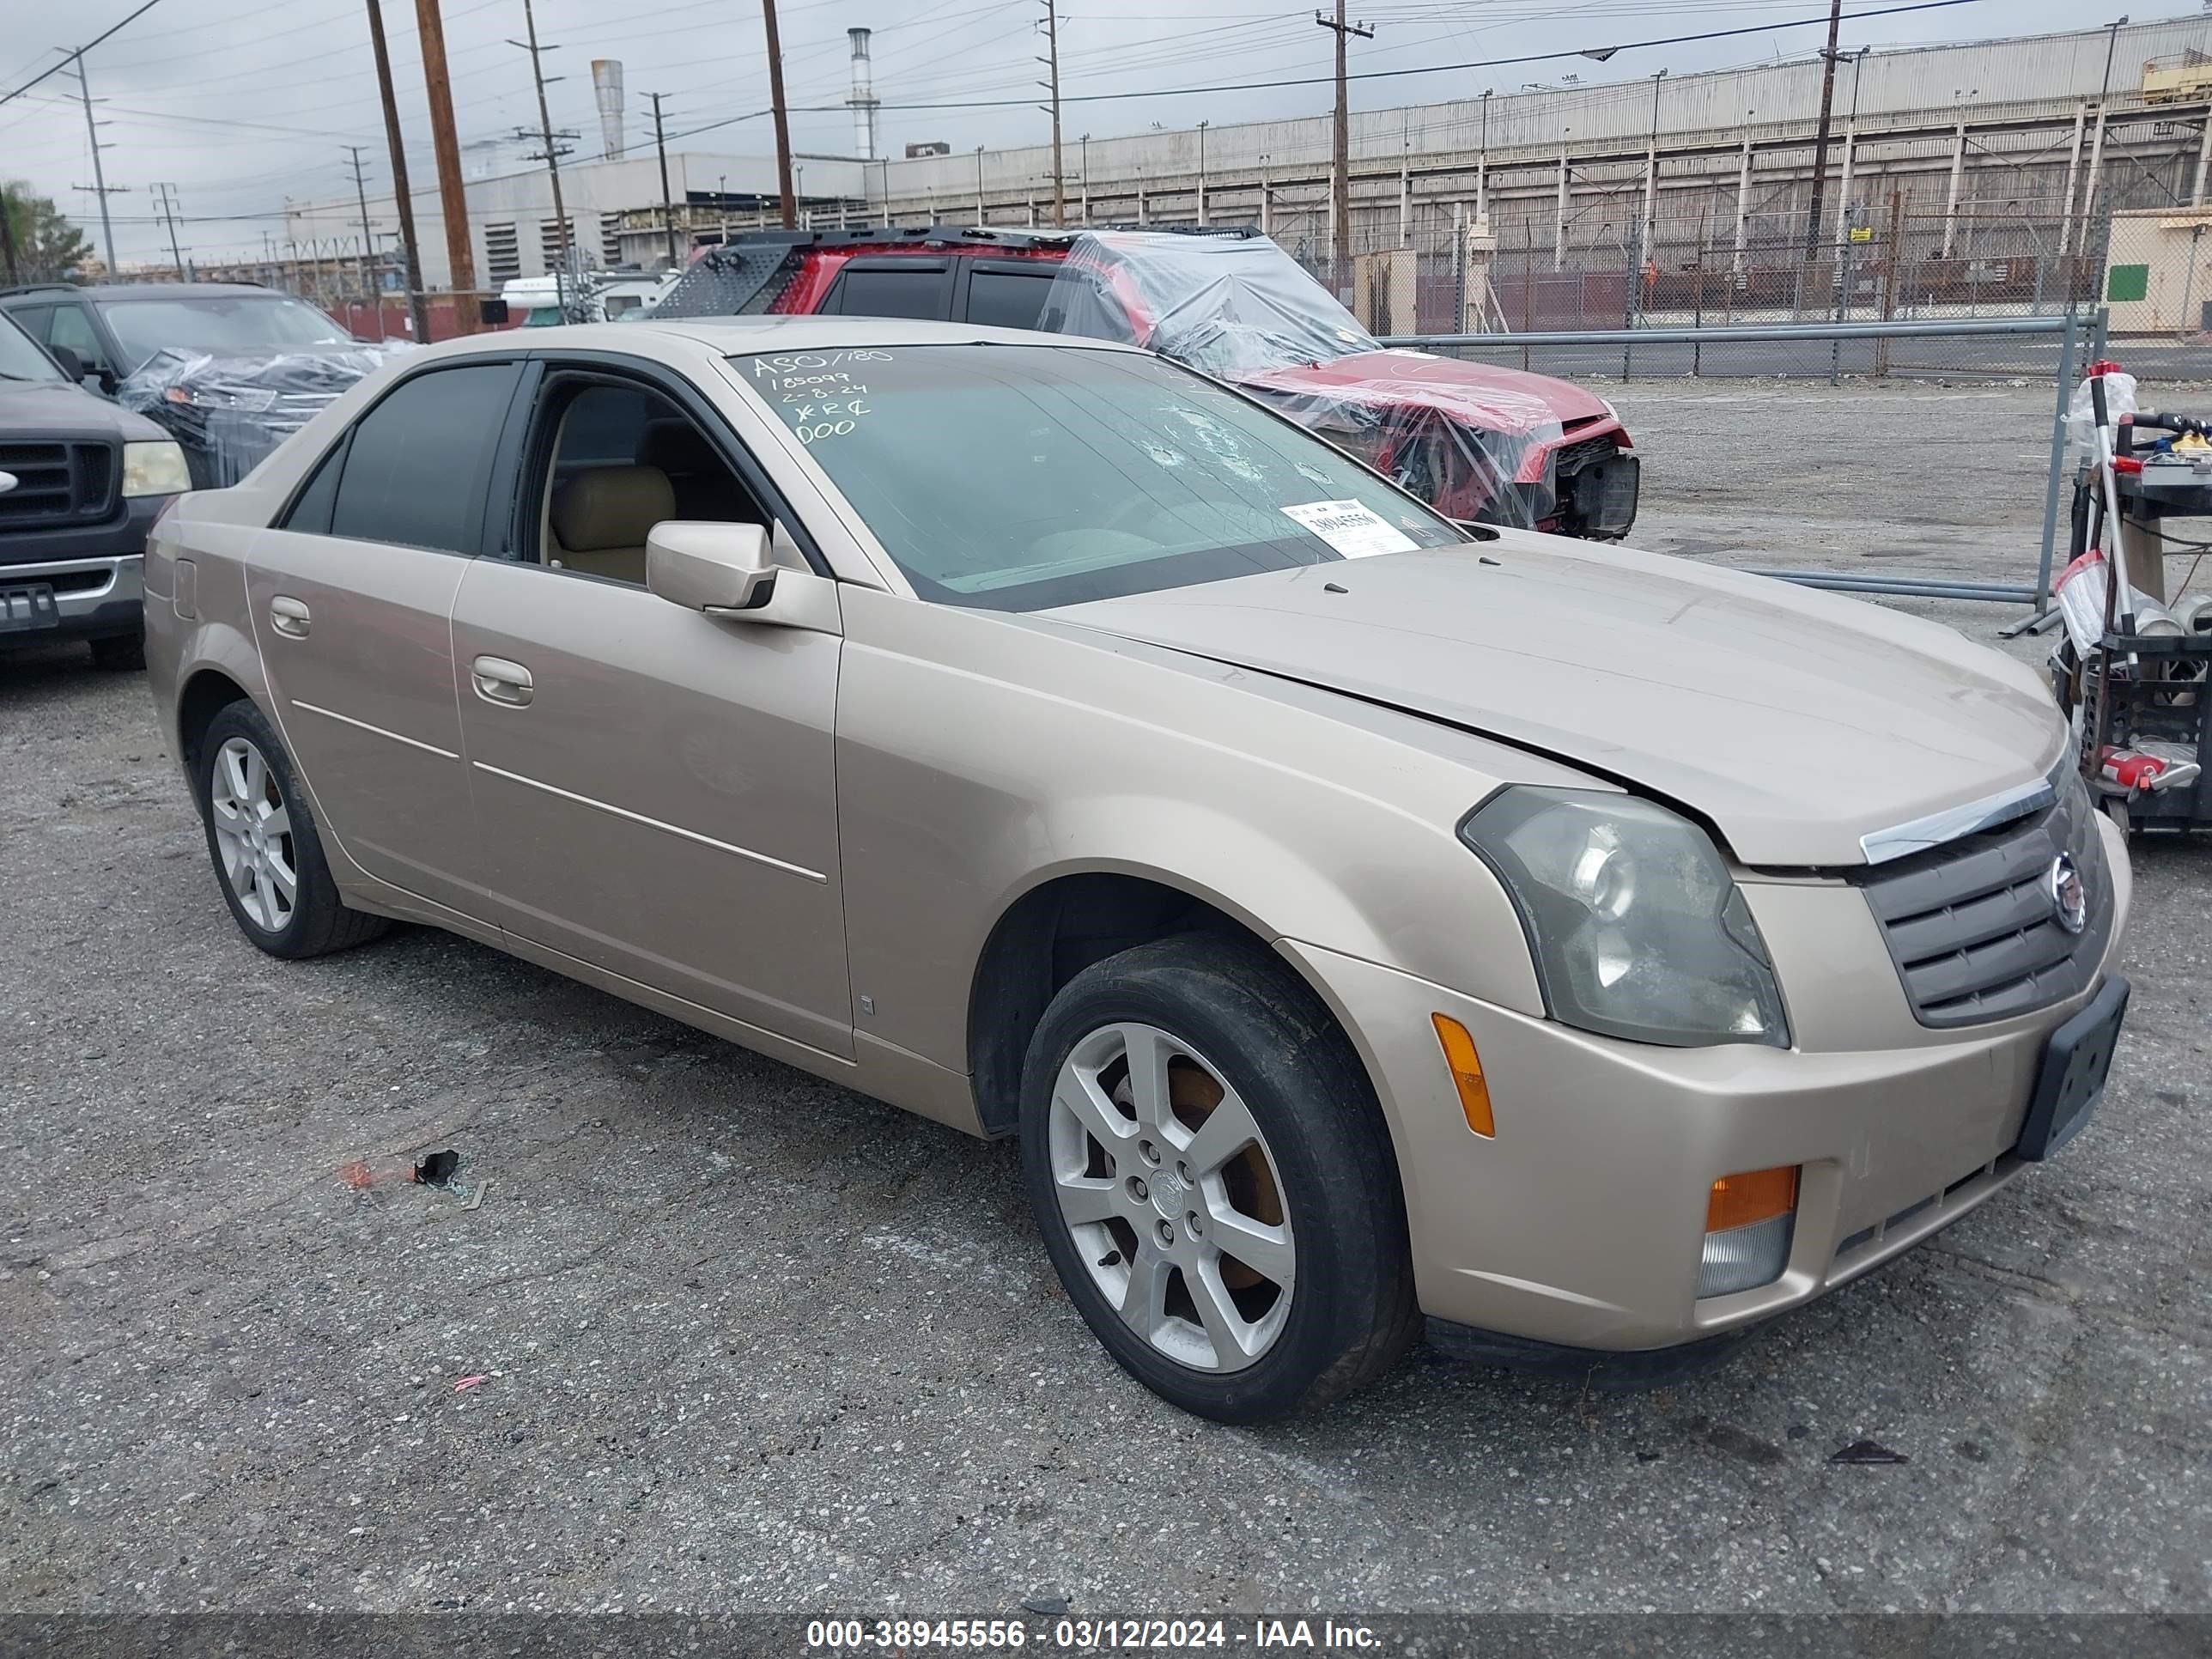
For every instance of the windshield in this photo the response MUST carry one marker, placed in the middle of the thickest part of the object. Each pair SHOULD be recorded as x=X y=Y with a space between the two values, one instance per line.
x=218 y=323
x=21 y=359
x=1022 y=477
x=1230 y=306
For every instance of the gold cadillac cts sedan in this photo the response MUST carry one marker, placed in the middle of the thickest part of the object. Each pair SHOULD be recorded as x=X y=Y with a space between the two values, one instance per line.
x=1362 y=920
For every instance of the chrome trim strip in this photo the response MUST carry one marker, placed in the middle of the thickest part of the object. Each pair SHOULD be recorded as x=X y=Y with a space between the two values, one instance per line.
x=655 y=823
x=348 y=720
x=1903 y=840
x=109 y=561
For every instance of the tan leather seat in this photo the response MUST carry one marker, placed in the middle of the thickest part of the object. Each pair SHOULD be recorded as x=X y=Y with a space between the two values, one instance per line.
x=600 y=519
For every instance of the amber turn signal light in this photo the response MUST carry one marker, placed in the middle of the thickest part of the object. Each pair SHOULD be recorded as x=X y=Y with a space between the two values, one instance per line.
x=1740 y=1200
x=1465 y=1066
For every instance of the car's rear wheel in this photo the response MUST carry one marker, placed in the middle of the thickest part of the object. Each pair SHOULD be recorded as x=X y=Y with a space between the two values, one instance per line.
x=262 y=838
x=1214 y=1180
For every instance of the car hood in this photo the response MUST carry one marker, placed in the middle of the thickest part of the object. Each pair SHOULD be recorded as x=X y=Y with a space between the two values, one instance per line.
x=1496 y=399
x=1794 y=721
x=54 y=410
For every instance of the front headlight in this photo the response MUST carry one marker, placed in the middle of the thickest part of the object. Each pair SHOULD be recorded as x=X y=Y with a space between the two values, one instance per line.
x=153 y=469
x=1637 y=929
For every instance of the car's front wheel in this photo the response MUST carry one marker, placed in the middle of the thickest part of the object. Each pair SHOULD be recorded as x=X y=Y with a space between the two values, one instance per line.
x=1214 y=1180
x=262 y=838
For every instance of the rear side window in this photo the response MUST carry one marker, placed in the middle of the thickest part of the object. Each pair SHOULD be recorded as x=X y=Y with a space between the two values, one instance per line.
x=311 y=507
x=905 y=288
x=415 y=470
x=1008 y=298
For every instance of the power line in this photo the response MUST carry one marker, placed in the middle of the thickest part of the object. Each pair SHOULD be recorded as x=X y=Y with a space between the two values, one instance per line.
x=55 y=68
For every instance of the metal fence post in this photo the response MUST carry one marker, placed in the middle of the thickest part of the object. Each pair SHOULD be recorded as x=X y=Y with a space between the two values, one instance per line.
x=2057 y=466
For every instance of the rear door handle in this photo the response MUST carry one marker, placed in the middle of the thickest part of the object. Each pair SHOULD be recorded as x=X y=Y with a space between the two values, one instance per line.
x=497 y=680
x=288 y=616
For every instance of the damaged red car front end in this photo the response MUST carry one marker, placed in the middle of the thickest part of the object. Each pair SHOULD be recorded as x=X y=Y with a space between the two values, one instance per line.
x=1480 y=443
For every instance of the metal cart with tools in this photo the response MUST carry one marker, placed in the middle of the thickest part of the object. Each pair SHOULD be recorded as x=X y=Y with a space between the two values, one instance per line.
x=2145 y=688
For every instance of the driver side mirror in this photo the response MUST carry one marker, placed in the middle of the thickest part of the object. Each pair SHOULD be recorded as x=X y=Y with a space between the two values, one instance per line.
x=68 y=362
x=710 y=567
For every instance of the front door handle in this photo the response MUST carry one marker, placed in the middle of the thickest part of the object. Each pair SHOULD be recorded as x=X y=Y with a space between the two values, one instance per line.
x=497 y=680
x=288 y=616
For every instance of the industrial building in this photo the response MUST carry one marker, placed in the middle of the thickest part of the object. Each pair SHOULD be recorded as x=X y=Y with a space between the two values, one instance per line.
x=1993 y=163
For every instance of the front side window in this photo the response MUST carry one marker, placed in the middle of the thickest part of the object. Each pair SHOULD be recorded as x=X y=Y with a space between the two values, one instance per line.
x=20 y=359
x=414 y=473
x=619 y=459
x=1021 y=477
x=72 y=328
x=219 y=323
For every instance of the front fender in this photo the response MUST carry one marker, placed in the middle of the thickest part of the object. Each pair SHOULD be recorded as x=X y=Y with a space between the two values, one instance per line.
x=979 y=761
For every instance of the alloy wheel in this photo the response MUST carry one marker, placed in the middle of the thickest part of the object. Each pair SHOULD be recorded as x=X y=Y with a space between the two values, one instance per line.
x=253 y=835
x=1172 y=1197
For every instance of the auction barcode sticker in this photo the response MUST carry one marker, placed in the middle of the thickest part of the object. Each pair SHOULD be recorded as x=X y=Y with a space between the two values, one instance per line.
x=1352 y=528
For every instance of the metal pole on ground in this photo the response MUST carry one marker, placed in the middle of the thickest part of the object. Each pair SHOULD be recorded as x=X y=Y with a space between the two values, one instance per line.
x=2057 y=465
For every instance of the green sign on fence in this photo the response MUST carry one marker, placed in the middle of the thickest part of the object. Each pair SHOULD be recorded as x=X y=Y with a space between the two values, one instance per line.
x=2127 y=282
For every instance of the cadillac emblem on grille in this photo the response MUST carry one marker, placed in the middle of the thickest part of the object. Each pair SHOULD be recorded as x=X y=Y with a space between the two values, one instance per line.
x=2070 y=899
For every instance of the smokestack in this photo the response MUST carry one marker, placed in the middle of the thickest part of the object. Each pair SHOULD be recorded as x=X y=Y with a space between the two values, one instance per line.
x=607 y=87
x=863 y=101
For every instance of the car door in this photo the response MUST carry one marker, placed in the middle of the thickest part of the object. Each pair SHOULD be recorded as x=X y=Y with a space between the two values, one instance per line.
x=656 y=787
x=351 y=595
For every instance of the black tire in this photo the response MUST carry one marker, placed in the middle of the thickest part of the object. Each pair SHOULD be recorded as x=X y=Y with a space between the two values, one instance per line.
x=119 y=653
x=1352 y=1313
x=318 y=923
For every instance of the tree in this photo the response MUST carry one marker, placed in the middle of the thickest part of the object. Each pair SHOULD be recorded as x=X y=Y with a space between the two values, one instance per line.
x=39 y=242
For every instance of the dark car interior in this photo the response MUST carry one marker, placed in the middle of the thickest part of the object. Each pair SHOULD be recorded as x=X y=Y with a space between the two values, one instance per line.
x=623 y=459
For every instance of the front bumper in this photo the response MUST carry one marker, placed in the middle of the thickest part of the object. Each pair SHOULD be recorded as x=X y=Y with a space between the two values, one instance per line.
x=97 y=572
x=1582 y=1222
x=93 y=598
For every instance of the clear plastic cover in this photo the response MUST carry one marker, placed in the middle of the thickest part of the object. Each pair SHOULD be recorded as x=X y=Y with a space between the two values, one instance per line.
x=227 y=412
x=1475 y=442
x=2082 y=414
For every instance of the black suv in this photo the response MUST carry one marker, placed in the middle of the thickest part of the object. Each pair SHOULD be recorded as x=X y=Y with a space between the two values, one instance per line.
x=230 y=369
x=81 y=483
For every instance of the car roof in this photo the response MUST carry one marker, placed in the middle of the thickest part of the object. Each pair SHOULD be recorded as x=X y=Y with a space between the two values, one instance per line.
x=149 y=290
x=734 y=336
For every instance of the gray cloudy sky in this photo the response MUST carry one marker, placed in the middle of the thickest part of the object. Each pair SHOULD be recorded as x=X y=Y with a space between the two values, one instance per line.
x=242 y=104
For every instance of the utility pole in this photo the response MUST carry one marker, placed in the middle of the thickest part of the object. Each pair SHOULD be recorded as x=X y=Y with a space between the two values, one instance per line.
x=553 y=152
x=1821 y=131
x=367 y=236
x=8 y=262
x=1340 y=150
x=403 y=198
x=1052 y=61
x=99 y=177
x=782 y=120
x=667 y=205
x=168 y=211
x=453 y=198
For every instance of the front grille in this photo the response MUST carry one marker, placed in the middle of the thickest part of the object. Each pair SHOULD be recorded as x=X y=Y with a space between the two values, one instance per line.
x=1570 y=458
x=1971 y=924
x=56 y=484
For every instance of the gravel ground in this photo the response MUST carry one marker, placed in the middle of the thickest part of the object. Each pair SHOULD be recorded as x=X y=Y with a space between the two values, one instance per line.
x=751 y=1342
